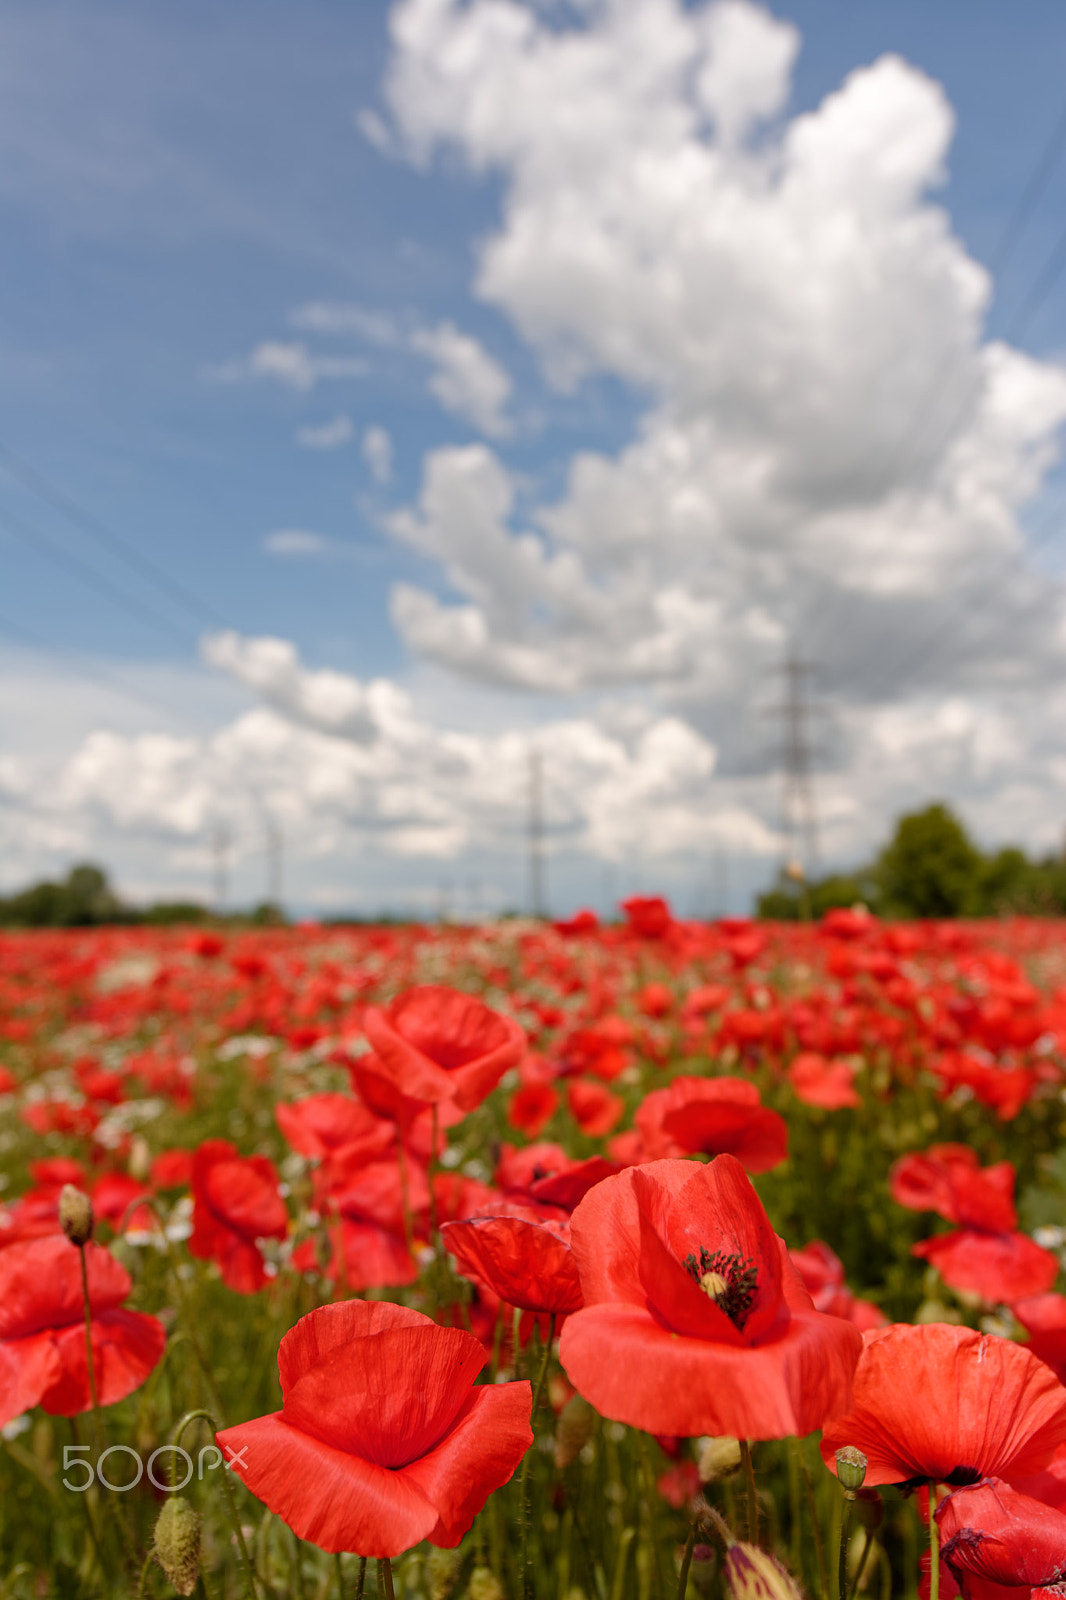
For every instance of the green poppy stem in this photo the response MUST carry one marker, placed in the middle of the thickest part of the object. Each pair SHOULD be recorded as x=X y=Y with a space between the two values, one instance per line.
x=523 y=1491
x=934 y=1545
x=842 y=1557
x=686 y=1561
x=231 y=1500
x=753 y=1497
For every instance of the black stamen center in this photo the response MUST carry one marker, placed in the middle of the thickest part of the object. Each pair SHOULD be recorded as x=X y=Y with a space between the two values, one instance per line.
x=731 y=1281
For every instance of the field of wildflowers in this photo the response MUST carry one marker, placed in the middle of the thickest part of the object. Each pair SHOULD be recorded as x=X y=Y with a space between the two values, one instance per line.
x=566 y=1261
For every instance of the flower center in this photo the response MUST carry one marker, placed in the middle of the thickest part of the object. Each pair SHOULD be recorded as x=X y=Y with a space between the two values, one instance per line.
x=731 y=1281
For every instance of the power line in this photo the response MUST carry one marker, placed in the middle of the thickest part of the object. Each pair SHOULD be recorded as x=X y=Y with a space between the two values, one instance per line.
x=62 y=557
x=67 y=506
x=931 y=396
x=98 y=674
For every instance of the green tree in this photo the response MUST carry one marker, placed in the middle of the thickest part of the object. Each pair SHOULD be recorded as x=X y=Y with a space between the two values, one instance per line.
x=931 y=867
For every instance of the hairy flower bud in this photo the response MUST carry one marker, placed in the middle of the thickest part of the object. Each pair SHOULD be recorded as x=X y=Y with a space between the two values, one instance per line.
x=851 y=1468
x=573 y=1430
x=75 y=1214
x=754 y=1574
x=484 y=1585
x=176 y=1544
x=717 y=1458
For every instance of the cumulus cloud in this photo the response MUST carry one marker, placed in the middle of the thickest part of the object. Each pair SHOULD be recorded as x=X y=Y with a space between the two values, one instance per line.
x=830 y=450
x=326 y=435
x=466 y=380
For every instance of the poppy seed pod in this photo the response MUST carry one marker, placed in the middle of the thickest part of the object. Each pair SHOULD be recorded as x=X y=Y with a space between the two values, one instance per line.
x=754 y=1574
x=176 y=1544
x=851 y=1468
x=75 y=1214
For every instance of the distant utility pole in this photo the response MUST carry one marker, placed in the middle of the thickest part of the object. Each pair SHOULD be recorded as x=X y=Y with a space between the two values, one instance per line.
x=275 y=845
x=537 y=896
x=799 y=824
x=721 y=886
x=220 y=846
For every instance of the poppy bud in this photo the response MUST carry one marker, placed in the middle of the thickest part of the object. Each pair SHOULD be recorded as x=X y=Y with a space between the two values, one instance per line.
x=75 y=1214
x=176 y=1544
x=754 y=1574
x=717 y=1458
x=851 y=1468
x=484 y=1585
x=573 y=1430
x=442 y=1572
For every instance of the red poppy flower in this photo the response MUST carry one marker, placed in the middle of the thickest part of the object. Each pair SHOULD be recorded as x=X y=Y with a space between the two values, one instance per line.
x=712 y=1116
x=827 y=1084
x=1000 y=1267
x=991 y=1531
x=521 y=1255
x=235 y=1202
x=42 y=1330
x=321 y=1123
x=947 y=1403
x=532 y=1107
x=987 y=1256
x=694 y=1320
x=593 y=1107
x=382 y=1440
x=439 y=1044
x=545 y=1175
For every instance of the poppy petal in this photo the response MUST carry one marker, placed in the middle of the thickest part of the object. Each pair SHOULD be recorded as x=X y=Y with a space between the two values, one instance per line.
x=481 y=1452
x=335 y=1499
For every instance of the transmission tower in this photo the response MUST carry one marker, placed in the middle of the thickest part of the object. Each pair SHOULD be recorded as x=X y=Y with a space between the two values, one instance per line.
x=799 y=823
x=275 y=845
x=220 y=847
x=537 y=897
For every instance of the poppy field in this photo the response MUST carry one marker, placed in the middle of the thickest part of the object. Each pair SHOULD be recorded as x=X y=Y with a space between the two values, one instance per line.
x=534 y=1261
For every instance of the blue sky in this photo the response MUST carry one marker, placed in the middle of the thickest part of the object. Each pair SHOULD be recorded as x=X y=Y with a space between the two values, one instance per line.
x=178 y=185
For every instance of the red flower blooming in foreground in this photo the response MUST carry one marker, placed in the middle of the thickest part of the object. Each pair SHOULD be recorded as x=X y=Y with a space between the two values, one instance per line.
x=991 y=1531
x=235 y=1202
x=42 y=1330
x=947 y=1403
x=521 y=1255
x=987 y=1256
x=439 y=1044
x=713 y=1116
x=382 y=1439
x=694 y=1319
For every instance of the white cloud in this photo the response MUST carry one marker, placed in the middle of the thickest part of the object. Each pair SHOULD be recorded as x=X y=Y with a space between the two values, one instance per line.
x=289 y=363
x=467 y=381
x=377 y=453
x=295 y=542
x=829 y=452
x=326 y=435
x=343 y=318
